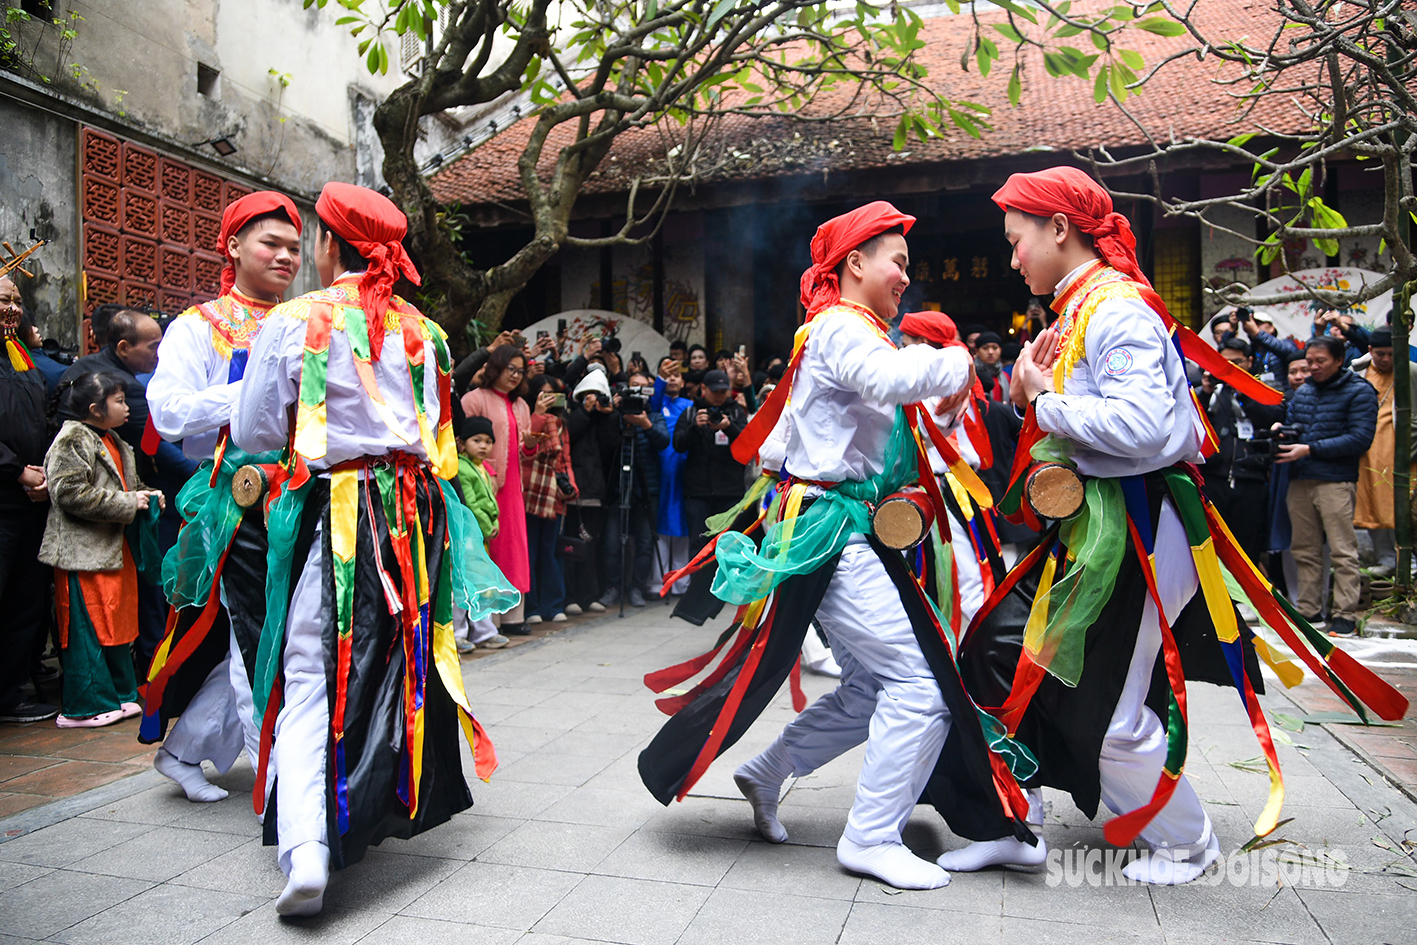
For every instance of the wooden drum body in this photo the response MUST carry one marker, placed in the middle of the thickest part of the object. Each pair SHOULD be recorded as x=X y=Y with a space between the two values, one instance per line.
x=1054 y=490
x=903 y=519
x=249 y=484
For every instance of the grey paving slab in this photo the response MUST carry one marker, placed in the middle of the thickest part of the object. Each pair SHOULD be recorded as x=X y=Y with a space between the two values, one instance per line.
x=249 y=869
x=597 y=807
x=515 y=800
x=159 y=854
x=403 y=929
x=631 y=911
x=514 y=694
x=709 y=816
x=565 y=846
x=58 y=900
x=981 y=893
x=233 y=815
x=791 y=870
x=17 y=874
x=509 y=897
x=1043 y=932
x=523 y=738
x=386 y=882
x=157 y=805
x=163 y=915
x=462 y=838
x=331 y=927
x=872 y=924
x=1250 y=913
x=548 y=845
x=1346 y=916
x=610 y=745
x=673 y=858
x=1124 y=908
x=69 y=841
x=743 y=917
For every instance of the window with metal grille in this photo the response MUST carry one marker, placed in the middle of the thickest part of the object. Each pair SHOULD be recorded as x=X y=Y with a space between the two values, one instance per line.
x=150 y=226
x=1177 y=277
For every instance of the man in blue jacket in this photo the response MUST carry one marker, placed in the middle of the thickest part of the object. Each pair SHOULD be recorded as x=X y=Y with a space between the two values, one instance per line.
x=1337 y=414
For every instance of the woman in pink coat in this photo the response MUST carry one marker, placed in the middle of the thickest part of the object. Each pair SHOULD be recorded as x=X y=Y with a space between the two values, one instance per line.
x=499 y=400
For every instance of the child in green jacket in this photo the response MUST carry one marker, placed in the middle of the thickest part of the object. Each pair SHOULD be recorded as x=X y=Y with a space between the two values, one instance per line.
x=478 y=488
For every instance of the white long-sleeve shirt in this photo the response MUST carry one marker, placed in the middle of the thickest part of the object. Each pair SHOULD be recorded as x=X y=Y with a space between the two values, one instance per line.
x=190 y=397
x=354 y=427
x=846 y=390
x=1126 y=406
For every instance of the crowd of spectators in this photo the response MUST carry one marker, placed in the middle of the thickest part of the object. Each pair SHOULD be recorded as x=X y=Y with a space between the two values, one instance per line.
x=1298 y=482
x=620 y=464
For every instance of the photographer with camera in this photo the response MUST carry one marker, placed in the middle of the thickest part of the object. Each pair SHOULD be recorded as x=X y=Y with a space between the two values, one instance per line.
x=632 y=491
x=1237 y=476
x=1336 y=413
x=1270 y=353
x=713 y=479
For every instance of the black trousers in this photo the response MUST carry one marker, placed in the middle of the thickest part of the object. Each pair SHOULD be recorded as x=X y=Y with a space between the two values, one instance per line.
x=25 y=592
x=583 y=577
x=698 y=509
x=640 y=518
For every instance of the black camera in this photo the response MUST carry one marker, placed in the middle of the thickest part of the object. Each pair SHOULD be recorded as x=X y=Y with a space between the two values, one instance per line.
x=1243 y=314
x=715 y=416
x=633 y=399
x=1266 y=443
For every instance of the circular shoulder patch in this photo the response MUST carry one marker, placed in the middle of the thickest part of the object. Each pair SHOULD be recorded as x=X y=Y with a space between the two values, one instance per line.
x=1117 y=362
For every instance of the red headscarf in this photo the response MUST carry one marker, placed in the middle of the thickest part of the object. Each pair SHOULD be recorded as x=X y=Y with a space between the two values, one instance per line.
x=834 y=240
x=241 y=212
x=375 y=227
x=932 y=326
x=1086 y=204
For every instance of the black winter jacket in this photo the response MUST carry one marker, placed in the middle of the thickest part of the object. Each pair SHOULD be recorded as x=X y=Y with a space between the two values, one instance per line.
x=594 y=438
x=710 y=471
x=1338 y=419
x=24 y=433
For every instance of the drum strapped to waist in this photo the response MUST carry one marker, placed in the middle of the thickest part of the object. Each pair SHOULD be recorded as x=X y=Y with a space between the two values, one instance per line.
x=1053 y=490
x=903 y=519
x=250 y=482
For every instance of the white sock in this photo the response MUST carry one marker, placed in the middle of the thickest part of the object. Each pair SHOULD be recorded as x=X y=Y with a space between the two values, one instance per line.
x=1175 y=865
x=985 y=853
x=892 y=864
x=760 y=780
x=190 y=778
x=304 y=892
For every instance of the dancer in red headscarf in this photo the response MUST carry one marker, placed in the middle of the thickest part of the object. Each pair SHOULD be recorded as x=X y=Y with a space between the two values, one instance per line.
x=197 y=675
x=1087 y=645
x=849 y=443
x=355 y=680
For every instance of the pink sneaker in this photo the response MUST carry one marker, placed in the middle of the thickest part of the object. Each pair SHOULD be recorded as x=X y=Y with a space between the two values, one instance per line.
x=95 y=721
x=130 y=709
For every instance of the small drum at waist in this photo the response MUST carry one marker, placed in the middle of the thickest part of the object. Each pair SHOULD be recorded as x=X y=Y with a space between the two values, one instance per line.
x=1054 y=490
x=249 y=484
x=903 y=519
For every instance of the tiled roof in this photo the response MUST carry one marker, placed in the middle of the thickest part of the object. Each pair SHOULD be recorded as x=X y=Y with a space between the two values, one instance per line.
x=1056 y=114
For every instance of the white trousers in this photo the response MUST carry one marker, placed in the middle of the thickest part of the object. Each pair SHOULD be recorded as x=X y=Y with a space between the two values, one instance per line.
x=1134 y=749
x=218 y=722
x=302 y=728
x=673 y=554
x=887 y=698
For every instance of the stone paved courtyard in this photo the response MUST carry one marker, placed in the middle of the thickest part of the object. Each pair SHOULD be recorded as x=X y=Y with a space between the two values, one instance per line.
x=565 y=845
